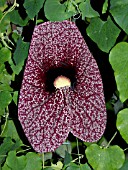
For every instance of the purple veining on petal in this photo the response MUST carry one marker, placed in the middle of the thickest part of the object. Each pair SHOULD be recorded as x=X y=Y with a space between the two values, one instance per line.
x=47 y=118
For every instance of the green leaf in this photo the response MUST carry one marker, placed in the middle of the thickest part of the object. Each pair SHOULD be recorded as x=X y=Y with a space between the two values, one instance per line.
x=119 y=11
x=84 y=167
x=1 y=14
x=5 y=55
x=34 y=162
x=105 y=7
x=18 y=143
x=48 y=168
x=79 y=1
x=5 y=24
x=5 y=99
x=32 y=7
x=88 y=143
x=15 y=36
x=4 y=148
x=2 y=2
x=21 y=52
x=5 y=167
x=63 y=148
x=73 y=166
x=87 y=10
x=16 y=68
x=105 y=158
x=15 y=162
x=68 y=158
x=55 y=11
x=16 y=18
x=118 y=106
x=10 y=131
x=5 y=78
x=20 y=55
x=47 y=156
x=71 y=7
x=119 y=60
x=0 y=45
x=122 y=123
x=2 y=68
x=15 y=97
x=57 y=166
x=103 y=33
x=5 y=87
x=125 y=166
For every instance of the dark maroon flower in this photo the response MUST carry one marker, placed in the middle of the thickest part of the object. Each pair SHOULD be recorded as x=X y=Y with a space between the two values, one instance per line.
x=47 y=113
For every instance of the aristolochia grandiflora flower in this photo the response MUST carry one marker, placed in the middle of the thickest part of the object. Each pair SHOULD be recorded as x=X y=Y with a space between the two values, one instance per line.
x=62 y=89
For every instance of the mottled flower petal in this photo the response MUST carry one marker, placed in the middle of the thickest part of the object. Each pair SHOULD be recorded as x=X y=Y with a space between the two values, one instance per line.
x=88 y=105
x=47 y=118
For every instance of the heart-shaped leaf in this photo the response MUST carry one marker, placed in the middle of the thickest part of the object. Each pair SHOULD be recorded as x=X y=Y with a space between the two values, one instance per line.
x=119 y=60
x=87 y=10
x=16 y=18
x=122 y=123
x=19 y=56
x=119 y=11
x=103 y=33
x=55 y=11
x=14 y=162
x=33 y=7
x=21 y=51
x=34 y=161
x=111 y=158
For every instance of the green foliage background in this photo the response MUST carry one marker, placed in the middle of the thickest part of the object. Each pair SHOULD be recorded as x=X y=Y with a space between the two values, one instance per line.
x=108 y=30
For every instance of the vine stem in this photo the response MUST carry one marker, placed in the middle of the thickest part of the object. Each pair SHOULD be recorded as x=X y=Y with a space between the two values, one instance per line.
x=111 y=140
x=78 y=150
x=125 y=149
x=5 y=13
x=23 y=150
x=9 y=10
x=4 y=42
x=78 y=10
x=80 y=156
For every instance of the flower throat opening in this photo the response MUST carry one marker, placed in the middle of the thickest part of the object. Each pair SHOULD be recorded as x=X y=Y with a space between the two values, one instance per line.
x=60 y=77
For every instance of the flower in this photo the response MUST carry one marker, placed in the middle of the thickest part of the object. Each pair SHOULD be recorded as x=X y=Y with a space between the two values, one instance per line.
x=47 y=114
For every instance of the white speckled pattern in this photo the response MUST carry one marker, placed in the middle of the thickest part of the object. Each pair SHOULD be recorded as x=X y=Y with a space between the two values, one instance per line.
x=48 y=118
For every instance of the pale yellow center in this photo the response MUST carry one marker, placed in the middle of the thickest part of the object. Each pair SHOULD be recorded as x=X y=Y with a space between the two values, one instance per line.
x=62 y=81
